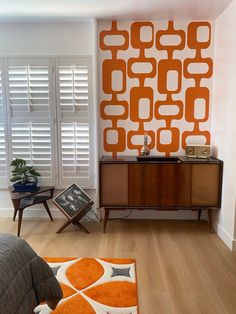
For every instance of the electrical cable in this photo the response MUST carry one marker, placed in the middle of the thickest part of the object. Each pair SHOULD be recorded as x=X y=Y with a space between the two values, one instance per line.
x=100 y=221
x=123 y=218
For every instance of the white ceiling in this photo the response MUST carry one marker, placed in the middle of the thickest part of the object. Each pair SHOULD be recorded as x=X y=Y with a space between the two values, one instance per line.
x=72 y=10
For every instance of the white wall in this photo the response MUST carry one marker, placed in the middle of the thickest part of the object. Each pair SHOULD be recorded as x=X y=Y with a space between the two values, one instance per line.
x=48 y=39
x=224 y=118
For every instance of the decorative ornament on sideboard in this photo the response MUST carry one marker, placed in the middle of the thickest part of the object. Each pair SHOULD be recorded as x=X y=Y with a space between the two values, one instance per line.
x=145 y=151
x=198 y=151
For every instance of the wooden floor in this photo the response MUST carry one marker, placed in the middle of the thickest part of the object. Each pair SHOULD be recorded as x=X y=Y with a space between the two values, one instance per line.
x=181 y=267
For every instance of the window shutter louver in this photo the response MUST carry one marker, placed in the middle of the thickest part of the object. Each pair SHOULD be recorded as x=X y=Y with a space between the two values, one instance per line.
x=3 y=163
x=29 y=91
x=74 y=89
x=30 y=110
x=32 y=142
x=74 y=114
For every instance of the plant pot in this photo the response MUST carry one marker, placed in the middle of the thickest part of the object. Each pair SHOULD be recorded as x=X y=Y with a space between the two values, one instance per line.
x=27 y=187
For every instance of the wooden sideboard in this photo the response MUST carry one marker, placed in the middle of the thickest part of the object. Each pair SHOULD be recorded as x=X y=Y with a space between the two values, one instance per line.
x=167 y=183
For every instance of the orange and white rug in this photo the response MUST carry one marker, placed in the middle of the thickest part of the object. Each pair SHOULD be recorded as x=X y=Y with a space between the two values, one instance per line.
x=94 y=286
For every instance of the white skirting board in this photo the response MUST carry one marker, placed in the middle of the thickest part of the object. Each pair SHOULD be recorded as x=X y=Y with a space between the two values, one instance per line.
x=35 y=213
x=160 y=214
x=32 y=213
x=225 y=237
x=40 y=212
x=234 y=245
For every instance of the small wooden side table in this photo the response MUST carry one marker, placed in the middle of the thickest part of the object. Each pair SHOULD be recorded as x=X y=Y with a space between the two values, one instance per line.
x=22 y=200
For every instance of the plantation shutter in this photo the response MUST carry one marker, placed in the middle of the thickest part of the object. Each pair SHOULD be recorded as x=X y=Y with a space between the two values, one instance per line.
x=3 y=159
x=29 y=97
x=74 y=114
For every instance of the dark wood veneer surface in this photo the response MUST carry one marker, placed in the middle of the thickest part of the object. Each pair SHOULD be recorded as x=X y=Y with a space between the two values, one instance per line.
x=159 y=185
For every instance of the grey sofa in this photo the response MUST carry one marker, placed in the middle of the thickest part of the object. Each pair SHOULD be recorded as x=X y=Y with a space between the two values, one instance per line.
x=25 y=279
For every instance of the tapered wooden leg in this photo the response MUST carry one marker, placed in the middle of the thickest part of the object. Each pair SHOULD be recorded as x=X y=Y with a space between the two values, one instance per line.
x=19 y=221
x=67 y=223
x=210 y=220
x=199 y=214
x=107 y=211
x=14 y=215
x=47 y=209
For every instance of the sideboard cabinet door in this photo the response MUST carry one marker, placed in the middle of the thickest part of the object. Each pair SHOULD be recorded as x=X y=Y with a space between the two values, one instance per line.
x=114 y=184
x=205 y=184
x=159 y=184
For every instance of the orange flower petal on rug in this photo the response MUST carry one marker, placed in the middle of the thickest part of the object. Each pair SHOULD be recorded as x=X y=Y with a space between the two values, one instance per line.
x=67 y=291
x=119 y=260
x=84 y=273
x=75 y=305
x=116 y=294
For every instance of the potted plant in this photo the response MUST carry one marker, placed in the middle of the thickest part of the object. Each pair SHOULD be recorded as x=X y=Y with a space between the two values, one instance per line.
x=25 y=177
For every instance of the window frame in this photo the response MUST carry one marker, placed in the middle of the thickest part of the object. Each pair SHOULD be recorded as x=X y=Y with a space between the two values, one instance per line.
x=54 y=91
x=6 y=180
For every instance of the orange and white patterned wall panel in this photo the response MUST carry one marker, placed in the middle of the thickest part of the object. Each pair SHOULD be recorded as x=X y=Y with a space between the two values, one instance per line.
x=155 y=78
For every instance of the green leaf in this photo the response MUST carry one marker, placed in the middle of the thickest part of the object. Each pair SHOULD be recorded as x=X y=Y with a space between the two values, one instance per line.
x=23 y=173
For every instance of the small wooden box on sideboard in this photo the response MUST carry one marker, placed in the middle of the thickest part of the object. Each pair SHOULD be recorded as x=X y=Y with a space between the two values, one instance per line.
x=161 y=183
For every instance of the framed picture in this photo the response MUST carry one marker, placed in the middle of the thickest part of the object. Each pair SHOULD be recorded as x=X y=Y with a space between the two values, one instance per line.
x=72 y=201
